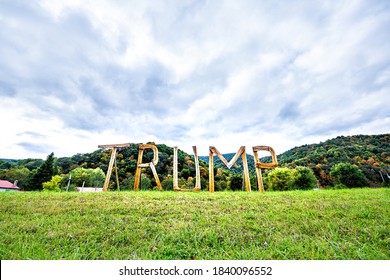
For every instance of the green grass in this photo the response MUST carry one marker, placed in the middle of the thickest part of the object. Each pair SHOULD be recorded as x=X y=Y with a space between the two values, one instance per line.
x=331 y=224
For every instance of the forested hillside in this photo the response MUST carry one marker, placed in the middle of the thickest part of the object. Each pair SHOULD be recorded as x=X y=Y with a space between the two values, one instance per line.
x=370 y=153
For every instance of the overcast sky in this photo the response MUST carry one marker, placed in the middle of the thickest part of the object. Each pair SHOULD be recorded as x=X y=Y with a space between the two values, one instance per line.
x=76 y=74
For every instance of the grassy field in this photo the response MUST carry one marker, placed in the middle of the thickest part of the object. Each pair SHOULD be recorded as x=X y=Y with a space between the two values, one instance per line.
x=331 y=224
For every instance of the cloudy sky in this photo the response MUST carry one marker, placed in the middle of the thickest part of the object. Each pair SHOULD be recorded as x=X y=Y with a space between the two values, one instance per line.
x=76 y=74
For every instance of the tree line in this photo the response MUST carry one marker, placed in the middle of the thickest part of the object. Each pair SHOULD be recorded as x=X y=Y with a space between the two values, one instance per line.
x=352 y=161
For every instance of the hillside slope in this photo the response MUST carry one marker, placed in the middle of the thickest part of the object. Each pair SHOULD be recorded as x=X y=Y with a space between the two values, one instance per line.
x=371 y=153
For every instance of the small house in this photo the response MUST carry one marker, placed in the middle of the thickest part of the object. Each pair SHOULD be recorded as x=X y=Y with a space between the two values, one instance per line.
x=8 y=186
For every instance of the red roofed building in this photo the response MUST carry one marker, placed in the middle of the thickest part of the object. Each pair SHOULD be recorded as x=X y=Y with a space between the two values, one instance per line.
x=7 y=186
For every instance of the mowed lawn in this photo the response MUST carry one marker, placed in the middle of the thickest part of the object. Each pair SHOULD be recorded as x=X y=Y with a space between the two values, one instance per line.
x=325 y=224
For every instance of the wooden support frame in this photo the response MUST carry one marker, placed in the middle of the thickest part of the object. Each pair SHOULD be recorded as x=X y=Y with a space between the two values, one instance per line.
x=175 y=171
x=241 y=152
x=198 y=186
x=114 y=148
x=151 y=164
x=259 y=164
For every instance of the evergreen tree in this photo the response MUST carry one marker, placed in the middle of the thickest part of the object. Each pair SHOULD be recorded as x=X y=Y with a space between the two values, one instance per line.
x=42 y=174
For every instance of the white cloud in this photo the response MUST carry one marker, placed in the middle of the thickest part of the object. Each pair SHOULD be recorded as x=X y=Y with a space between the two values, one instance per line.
x=75 y=75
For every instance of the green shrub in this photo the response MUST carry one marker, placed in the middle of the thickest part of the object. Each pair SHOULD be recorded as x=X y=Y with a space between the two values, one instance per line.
x=222 y=185
x=167 y=183
x=145 y=183
x=190 y=185
x=339 y=186
x=303 y=179
x=181 y=183
x=385 y=185
x=280 y=179
x=348 y=175
x=53 y=185
x=127 y=184
x=236 y=182
x=91 y=177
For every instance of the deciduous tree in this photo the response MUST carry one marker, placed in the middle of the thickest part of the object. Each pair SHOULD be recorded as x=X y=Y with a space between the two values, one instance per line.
x=303 y=179
x=348 y=175
x=53 y=185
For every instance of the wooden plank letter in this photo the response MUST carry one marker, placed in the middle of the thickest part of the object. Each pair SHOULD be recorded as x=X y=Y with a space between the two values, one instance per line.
x=197 y=170
x=109 y=170
x=114 y=148
x=152 y=165
x=260 y=164
x=241 y=152
x=175 y=171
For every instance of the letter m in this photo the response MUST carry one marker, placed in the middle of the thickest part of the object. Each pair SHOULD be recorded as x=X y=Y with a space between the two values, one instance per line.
x=241 y=152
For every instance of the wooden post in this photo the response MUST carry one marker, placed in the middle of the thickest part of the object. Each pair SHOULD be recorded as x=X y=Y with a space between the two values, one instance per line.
x=211 y=170
x=156 y=176
x=175 y=171
x=109 y=170
x=258 y=172
x=116 y=175
x=379 y=173
x=197 y=170
x=138 y=170
x=246 y=172
x=70 y=177
x=260 y=164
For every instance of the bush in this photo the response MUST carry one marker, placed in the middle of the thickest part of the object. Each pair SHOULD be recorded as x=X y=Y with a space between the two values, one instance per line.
x=190 y=185
x=236 y=182
x=339 y=186
x=303 y=179
x=348 y=175
x=145 y=183
x=385 y=185
x=221 y=186
x=185 y=173
x=280 y=179
x=53 y=185
x=167 y=183
x=91 y=177
x=127 y=184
